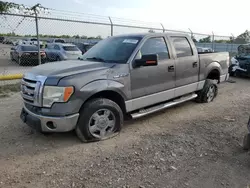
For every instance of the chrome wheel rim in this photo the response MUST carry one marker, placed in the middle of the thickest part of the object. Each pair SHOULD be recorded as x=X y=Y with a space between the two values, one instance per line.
x=102 y=124
x=211 y=93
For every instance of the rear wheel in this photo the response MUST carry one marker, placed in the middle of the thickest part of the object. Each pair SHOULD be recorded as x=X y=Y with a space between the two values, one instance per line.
x=208 y=93
x=58 y=58
x=11 y=57
x=99 y=119
x=20 y=61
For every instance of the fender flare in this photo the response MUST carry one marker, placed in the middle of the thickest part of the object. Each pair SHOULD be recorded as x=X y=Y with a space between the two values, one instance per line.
x=97 y=86
x=213 y=66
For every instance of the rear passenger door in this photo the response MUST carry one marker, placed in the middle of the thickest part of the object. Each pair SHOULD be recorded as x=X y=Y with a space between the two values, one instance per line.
x=187 y=65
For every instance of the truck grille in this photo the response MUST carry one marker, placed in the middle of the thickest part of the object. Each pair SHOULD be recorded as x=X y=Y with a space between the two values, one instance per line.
x=30 y=91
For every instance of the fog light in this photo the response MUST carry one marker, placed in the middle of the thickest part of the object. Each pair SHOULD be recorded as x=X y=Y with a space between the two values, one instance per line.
x=50 y=125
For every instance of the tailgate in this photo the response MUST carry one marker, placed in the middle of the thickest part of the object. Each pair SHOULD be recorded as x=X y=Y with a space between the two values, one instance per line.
x=73 y=55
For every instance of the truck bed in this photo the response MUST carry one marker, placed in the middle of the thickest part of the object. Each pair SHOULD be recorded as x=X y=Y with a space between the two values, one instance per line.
x=210 y=59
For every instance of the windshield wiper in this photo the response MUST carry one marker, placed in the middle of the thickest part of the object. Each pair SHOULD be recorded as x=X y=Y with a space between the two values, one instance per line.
x=96 y=59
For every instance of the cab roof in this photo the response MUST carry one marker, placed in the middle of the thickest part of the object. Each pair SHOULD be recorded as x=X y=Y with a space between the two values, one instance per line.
x=142 y=35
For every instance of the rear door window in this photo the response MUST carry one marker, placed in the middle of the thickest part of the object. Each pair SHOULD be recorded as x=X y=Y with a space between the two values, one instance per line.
x=56 y=47
x=29 y=48
x=182 y=47
x=70 y=48
x=59 y=41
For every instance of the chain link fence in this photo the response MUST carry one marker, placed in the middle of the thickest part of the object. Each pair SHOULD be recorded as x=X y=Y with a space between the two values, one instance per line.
x=27 y=40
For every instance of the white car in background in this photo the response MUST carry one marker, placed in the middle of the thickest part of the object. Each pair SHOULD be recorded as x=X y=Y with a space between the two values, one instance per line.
x=31 y=41
x=62 y=51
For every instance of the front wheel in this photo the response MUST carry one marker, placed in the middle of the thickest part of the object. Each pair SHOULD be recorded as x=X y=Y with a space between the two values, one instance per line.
x=208 y=93
x=99 y=119
x=58 y=58
x=11 y=57
x=20 y=61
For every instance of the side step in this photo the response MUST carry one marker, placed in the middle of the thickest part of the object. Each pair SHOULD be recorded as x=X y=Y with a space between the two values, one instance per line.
x=144 y=112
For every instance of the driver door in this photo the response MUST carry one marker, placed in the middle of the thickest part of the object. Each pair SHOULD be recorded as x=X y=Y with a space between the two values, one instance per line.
x=153 y=84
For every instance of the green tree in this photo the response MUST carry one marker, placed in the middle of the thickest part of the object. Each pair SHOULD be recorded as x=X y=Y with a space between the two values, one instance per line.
x=99 y=37
x=193 y=38
x=243 y=38
x=6 y=6
x=84 y=37
x=205 y=40
x=76 y=36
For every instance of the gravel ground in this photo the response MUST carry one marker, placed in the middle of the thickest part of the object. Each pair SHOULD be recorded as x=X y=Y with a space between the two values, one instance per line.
x=190 y=145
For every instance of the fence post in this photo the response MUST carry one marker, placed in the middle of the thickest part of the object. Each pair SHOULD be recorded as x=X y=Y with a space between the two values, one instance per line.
x=34 y=8
x=212 y=40
x=163 y=29
x=111 y=24
x=232 y=42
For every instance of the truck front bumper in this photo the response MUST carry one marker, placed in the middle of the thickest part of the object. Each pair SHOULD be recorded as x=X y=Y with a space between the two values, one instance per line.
x=49 y=123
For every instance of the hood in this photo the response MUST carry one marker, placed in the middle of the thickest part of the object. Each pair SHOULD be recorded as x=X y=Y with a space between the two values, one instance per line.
x=66 y=68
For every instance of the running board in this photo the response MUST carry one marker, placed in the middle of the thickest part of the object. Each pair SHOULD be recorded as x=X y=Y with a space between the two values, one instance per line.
x=144 y=112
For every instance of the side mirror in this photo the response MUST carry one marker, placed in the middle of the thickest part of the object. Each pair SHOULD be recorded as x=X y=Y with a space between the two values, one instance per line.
x=146 y=60
x=12 y=48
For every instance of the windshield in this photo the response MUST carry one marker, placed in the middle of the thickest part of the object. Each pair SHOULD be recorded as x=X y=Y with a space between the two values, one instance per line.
x=115 y=49
x=70 y=48
x=59 y=41
x=87 y=47
x=244 y=50
x=29 y=48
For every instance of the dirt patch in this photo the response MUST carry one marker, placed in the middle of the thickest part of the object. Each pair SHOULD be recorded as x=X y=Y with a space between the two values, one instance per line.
x=7 y=90
x=191 y=145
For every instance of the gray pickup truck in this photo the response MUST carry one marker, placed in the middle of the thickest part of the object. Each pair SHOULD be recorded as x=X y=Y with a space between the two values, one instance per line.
x=122 y=76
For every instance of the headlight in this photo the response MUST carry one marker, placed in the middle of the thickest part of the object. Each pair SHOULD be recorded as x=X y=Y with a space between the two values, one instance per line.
x=53 y=94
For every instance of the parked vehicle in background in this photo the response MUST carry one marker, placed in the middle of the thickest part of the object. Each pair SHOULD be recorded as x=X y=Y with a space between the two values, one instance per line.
x=240 y=64
x=128 y=75
x=201 y=49
x=6 y=41
x=2 y=39
x=62 y=51
x=84 y=47
x=17 y=42
x=26 y=55
x=57 y=40
x=31 y=41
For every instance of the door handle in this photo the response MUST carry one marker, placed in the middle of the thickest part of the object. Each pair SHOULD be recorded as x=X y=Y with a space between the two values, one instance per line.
x=195 y=64
x=171 y=68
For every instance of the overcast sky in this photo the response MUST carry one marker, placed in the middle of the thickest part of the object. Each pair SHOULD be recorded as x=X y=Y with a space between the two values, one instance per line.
x=221 y=16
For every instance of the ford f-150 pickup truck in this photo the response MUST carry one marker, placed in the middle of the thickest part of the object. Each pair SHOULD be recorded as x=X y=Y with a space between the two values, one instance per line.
x=121 y=76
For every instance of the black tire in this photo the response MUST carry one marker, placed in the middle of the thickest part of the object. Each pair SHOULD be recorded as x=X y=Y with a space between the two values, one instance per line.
x=203 y=94
x=58 y=58
x=246 y=142
x=19 y=61
x=90 y=108
x=11 y=57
